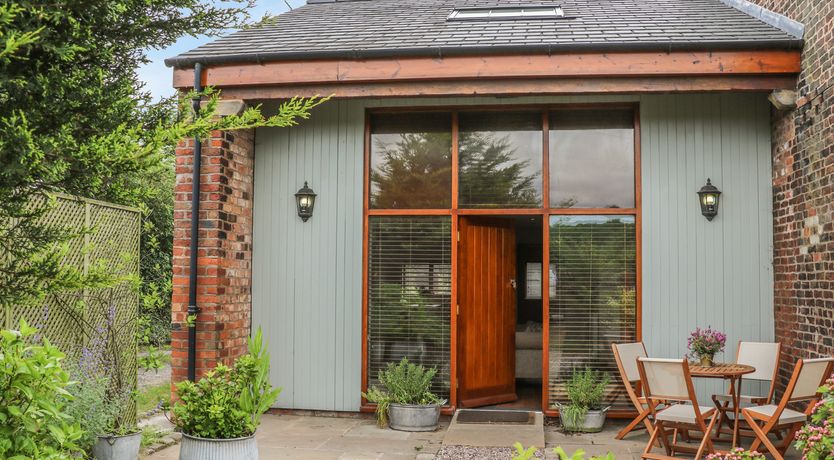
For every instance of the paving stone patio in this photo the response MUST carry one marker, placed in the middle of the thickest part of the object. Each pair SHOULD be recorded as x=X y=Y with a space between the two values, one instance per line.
x=329 y=438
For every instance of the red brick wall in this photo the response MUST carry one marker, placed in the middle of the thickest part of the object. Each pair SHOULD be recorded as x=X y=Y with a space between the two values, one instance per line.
x=224 y=277
x=803 y=192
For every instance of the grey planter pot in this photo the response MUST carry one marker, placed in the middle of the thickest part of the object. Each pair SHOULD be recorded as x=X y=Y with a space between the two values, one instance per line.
x=118 y=447
x=592 y=423
x=407 y=417
x=194 y=448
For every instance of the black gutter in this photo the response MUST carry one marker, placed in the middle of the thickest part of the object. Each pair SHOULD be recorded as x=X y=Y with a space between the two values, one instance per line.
x=195 y=229
x=186 y=60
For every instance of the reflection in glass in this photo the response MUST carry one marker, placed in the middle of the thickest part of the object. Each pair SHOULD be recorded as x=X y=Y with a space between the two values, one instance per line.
x=592 y=159
x=594 y=301
x=411 y=161
x=500 y=160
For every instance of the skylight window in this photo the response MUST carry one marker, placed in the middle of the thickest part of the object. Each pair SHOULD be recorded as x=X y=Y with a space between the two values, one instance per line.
x=499 y=13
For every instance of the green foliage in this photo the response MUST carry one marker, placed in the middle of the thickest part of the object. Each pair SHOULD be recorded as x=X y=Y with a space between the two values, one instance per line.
x=74 y=118
x=579 y=455
x=526 y=454
x=89 y=405
x=816 y=438
x=523 y=454
x=403 y=383
x=151 y=435
x=586 y=390
x=32 y=420
x=492 y=173
x=228 y=402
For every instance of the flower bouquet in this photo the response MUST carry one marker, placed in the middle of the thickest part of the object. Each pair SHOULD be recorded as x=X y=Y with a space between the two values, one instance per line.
x=703 y=344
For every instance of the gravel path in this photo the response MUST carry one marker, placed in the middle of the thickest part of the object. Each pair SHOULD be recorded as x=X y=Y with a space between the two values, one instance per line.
x=477 y=453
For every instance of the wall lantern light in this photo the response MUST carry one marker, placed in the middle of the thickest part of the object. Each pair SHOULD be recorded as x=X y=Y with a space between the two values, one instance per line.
x=305 y=200
x=708 y=197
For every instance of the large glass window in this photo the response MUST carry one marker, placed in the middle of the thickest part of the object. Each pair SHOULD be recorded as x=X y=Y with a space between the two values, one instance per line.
x=411 y=160
x=592 y=159
x=409 y=294
x=593 y=304
x=500 y=159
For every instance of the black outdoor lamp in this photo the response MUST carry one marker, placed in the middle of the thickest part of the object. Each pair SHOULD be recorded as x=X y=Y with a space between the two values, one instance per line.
x=708 y=197
x=305 y=200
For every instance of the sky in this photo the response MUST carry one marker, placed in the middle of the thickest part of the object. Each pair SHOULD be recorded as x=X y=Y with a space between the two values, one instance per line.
x=158 y=77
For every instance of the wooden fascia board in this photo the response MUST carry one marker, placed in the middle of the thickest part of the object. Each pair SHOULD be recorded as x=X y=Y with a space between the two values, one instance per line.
x=528 y=67
x=517 y=87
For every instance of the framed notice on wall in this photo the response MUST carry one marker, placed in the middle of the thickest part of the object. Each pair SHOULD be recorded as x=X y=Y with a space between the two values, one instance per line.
x=533 y=281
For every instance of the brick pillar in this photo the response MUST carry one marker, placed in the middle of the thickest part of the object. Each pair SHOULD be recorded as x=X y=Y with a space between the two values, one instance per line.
x=803 y=194
x=224 y=277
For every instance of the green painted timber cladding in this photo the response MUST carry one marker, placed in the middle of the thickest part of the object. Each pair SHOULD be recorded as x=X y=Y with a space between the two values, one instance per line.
x=307 y=287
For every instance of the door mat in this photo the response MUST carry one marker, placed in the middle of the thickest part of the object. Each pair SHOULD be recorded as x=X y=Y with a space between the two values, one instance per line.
x=505 y=417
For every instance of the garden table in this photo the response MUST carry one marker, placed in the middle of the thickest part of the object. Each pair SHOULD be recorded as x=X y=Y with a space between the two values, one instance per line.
x=726 y=371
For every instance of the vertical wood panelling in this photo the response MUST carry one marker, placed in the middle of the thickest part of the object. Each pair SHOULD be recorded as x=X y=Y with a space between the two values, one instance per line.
x=307 y=287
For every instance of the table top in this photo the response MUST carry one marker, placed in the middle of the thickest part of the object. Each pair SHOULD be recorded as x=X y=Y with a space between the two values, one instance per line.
x=720 y=370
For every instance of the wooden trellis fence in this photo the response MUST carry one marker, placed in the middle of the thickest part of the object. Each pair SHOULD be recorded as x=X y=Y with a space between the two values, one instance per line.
x=109 y=238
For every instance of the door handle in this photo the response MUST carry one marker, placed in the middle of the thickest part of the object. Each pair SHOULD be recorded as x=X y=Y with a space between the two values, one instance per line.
x=513 y=284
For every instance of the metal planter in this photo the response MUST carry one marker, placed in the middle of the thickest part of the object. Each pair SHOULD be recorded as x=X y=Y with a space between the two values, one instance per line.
x=593 y=421
x=195 y=448
x=118 y=447
x=408 y=417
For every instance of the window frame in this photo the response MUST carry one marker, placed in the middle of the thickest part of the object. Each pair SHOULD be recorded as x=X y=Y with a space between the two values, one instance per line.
x=454 y=211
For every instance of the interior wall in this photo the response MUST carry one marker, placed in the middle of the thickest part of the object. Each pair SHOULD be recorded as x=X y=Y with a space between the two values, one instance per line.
x=307 y=277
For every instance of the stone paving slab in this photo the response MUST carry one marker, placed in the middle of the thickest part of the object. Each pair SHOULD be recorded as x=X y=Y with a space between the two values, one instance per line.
x=331 y=438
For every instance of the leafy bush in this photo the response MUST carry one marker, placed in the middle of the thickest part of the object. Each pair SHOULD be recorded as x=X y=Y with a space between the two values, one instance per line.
x=403 y=383
x=32 y=421
x=526 y=454
x=228 y=402
x=586 y=390
x=91 y=405
x=816 y=438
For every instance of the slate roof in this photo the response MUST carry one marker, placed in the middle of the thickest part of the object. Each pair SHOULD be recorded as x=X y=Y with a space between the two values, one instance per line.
x=396 y=28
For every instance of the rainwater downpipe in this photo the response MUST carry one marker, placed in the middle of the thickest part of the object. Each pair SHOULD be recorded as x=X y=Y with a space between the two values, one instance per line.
x=195 y=228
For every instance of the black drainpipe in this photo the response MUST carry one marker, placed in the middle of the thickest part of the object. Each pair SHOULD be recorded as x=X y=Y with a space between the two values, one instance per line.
x=195 y=228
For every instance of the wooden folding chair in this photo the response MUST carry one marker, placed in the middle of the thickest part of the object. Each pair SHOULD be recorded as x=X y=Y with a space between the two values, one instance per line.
x=669 y=380
x=764 y=356
x=626 y=355
x=808 y=376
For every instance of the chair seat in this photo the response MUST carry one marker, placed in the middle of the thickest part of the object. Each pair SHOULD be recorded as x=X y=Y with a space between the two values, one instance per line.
x=744 y=399
x=683 y=413
x=787 y=416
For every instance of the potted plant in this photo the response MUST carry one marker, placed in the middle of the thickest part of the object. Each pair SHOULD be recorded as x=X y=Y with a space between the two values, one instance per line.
x=218 y=415
x=703 y=344
x=405 y=402
x=586 y=390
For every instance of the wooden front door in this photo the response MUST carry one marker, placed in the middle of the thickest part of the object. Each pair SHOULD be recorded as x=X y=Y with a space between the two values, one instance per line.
x=487 y=314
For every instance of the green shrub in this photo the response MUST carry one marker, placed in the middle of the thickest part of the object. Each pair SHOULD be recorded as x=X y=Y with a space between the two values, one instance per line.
x=403 y=383
x=228 y=402
x=526 y=454
x=32 y=419
x=93 y=405
x=586 y=390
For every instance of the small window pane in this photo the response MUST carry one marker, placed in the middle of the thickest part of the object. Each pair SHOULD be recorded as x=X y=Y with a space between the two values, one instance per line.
x=411 y=161
x=592 y=159
x=500 y=160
